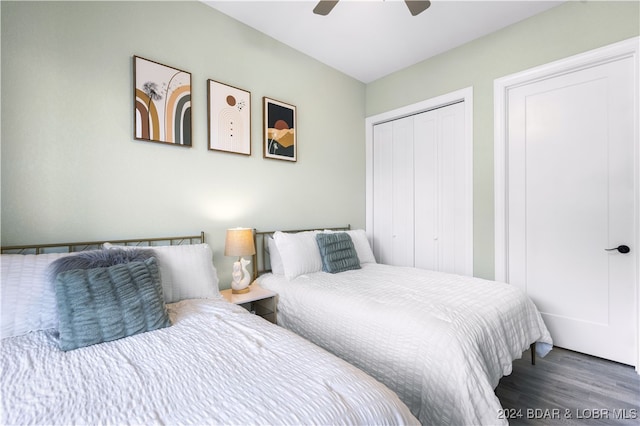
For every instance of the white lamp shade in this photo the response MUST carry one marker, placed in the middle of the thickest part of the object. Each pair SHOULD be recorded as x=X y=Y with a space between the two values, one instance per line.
x=239 y=242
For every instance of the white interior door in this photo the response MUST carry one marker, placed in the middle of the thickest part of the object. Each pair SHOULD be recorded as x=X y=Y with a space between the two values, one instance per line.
x=570 y=196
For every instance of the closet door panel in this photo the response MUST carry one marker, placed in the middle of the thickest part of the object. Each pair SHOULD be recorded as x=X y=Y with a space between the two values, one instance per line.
x=403 y=193
x=440 y=185
x=452 y=186
x=426 y=189
x=382 y=192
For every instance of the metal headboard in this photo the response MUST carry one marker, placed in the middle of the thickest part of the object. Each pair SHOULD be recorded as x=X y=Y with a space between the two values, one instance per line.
x=94 y=245
x=261 y=261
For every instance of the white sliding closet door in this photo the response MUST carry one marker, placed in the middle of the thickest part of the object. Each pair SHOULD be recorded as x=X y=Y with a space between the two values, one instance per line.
x=420 y=201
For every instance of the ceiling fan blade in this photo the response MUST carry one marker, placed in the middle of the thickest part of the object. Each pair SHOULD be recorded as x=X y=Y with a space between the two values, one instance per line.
x=324 y=7
x=416 y=7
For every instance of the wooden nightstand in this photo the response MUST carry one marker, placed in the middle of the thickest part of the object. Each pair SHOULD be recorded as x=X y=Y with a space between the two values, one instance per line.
x=259 y=301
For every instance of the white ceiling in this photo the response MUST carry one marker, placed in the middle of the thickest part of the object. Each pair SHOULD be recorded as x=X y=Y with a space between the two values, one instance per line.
x=368 y=39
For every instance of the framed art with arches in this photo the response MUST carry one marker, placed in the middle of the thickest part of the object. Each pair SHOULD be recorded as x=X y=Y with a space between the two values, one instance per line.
x=162 y=103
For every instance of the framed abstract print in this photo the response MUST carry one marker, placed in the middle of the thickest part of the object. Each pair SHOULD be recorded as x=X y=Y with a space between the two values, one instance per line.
x=162 y=105
x=229 y=118
x=280 y=140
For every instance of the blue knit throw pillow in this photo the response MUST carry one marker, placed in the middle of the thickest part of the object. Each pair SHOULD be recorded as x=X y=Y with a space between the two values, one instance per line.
x=107 y=303
x=337 y=252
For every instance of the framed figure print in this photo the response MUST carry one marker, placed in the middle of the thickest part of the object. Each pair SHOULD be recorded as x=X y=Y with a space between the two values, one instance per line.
x=280 y=140
x=162 y=103
x=229 y=118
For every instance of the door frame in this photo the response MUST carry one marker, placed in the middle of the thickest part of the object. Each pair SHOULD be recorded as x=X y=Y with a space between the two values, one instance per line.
x=463 y=95
x=623 y=49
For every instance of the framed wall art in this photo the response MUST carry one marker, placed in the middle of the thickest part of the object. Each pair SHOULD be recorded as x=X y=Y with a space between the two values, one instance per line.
x=280 y=140
x=229 y=118
x=162 y=103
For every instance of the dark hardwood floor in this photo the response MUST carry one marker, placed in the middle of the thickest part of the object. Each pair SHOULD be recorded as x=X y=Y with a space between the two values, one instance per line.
x=569 y=388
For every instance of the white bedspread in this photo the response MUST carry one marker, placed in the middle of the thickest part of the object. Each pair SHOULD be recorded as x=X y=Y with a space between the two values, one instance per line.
x=216 y=365
x=440 y=341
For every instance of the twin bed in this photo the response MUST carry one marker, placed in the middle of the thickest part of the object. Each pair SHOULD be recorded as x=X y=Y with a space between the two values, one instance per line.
x=380 y=344
x=440 y=341
x=212 y=363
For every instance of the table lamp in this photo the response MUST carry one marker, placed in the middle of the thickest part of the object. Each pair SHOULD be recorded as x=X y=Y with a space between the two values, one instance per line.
x=239 y=242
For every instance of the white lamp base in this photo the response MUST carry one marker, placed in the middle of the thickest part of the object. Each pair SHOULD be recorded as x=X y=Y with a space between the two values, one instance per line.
x=241 y=277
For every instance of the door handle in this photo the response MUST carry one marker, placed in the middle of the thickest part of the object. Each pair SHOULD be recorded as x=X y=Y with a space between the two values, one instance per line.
x=622 y=249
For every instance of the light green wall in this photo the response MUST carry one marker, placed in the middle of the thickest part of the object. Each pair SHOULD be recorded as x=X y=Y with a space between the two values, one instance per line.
x=71 y=169
x=566 y=30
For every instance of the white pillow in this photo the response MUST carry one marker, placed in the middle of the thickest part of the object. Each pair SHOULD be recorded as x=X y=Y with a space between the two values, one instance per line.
x=361 y=243
x=28 y=295
x=186 y=271
x=275 y=260
x=299 y=252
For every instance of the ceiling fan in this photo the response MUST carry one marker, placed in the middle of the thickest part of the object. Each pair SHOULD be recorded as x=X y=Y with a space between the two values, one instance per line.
x=415 y=6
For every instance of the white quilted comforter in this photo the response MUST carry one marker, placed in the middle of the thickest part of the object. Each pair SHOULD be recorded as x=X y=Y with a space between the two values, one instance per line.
x=216 y=365
x=440 y=341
